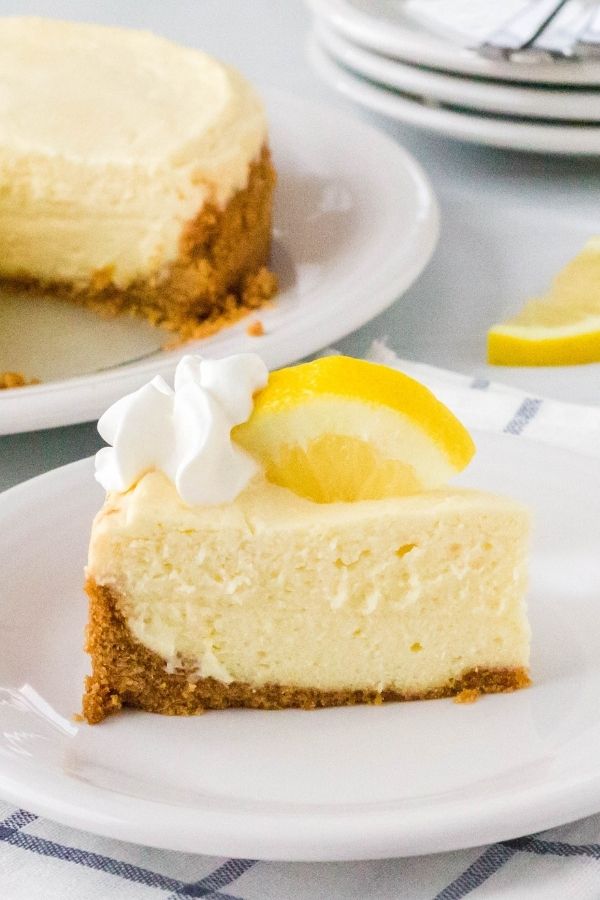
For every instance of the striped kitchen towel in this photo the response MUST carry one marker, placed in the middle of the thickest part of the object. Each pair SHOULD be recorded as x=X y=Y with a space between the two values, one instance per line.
x=41 y=860
x=491 y=406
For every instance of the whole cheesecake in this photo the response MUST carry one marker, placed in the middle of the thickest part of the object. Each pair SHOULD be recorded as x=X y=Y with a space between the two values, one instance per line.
x=134 y=175
x=210 y=586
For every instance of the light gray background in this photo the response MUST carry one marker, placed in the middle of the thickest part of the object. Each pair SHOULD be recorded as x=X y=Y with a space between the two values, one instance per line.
x=507 y=218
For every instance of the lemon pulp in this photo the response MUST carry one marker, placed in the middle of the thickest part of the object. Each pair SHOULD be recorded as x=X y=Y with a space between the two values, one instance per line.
x=341 y=429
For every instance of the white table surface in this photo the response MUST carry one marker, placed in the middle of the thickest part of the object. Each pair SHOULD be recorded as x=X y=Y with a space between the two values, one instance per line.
x=506 y=217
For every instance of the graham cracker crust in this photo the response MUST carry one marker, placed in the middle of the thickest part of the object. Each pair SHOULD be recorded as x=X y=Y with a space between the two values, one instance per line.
x=15 y=379
x=125 y=673
x=220 y=274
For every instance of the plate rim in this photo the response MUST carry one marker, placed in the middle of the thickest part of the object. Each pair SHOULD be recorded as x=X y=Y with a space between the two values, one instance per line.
x=351 y=834
x=26 y=409
x=487 y=130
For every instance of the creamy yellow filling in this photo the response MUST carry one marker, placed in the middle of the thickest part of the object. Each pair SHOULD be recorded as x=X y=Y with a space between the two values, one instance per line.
x=111 y=141
x=406 y=592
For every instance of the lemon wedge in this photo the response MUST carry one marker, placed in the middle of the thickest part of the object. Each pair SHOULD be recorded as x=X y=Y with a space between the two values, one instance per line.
x=341 y=429
x=561 y=328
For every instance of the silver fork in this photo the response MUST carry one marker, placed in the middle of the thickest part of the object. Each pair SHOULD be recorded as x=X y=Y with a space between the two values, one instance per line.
x=521 y=30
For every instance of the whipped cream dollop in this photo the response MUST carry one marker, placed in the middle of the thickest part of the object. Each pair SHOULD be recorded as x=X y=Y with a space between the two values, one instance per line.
x=186 y=431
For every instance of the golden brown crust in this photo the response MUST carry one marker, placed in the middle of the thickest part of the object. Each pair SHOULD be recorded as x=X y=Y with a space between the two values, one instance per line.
x=221 y=272
x=15 y=379
x=255 y=328
x=125 y=673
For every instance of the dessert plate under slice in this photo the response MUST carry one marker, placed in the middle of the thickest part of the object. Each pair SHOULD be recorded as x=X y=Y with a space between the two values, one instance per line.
x=352 y=231
x=346 y=783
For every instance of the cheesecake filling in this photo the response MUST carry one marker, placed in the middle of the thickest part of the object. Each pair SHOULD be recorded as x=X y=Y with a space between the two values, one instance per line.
x=111 y=142
x=274 y=589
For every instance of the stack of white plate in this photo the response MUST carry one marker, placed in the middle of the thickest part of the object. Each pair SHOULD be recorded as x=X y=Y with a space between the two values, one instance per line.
x=409 y=60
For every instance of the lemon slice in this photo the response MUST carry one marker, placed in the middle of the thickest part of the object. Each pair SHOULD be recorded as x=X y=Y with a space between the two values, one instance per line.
x=341 y=429
x=561 y=328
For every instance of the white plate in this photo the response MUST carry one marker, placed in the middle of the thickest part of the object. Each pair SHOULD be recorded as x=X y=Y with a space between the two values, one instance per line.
x=385 y=27
x=347 y=783
x=493 y=131
x=352 y=233
x=477 y=94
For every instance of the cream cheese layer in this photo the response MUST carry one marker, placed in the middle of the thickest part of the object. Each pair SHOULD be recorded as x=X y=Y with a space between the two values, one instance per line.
x=273 y=589
x=111 y=142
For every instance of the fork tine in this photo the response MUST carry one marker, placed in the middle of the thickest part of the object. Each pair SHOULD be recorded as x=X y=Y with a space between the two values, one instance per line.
x=561 y=36
x=588 y=43
x=521 y=30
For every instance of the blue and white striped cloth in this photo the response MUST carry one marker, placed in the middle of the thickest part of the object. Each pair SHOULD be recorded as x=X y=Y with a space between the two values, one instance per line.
x=40 y=860
x=490 y=406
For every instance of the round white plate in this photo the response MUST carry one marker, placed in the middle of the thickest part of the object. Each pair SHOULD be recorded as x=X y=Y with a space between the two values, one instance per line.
x=493 y=131
x=352 y=233
x=477 y=94
x=386 y=27
x=348 y=783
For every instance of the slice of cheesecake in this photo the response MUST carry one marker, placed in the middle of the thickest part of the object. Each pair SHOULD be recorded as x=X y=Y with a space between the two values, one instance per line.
x=275 y=601
x=269 y=599
x=135 y=175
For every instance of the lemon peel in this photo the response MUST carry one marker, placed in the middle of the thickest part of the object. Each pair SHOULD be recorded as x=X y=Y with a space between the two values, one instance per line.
x=342 y=429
